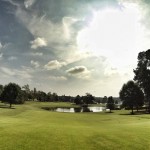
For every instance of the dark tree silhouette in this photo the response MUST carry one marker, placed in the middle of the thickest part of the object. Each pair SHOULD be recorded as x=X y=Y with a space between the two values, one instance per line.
x=142 y=74
x=55 y=97
x=30 y=95
x=110 y=103
x=11 y=94
x=26 y=88
x=131 y=95
x=41 y=96
x=88 y=99
x=77 y=100
x=49 y=95
x=104 y=100
x=1 y=90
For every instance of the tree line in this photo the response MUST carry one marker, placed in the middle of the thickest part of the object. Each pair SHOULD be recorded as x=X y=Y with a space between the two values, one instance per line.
x=12 y=93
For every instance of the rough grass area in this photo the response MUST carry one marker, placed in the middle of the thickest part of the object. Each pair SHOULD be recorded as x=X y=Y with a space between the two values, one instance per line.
x=28 y=127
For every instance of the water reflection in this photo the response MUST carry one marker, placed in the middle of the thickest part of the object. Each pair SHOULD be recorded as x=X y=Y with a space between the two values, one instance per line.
x=80 y=109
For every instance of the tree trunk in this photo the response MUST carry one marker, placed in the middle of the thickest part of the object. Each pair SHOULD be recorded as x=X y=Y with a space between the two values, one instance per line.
x=137 y=109
x=10 y=105
x=149 y=106
x=132 y=111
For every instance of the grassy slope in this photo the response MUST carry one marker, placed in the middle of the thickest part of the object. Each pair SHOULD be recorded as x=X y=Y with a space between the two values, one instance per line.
x=30 y=128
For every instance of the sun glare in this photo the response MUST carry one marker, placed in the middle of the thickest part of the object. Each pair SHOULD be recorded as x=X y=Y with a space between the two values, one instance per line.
x=113 y=33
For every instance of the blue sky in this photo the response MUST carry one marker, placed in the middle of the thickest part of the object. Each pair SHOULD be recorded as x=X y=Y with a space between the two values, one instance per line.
x=72 y=47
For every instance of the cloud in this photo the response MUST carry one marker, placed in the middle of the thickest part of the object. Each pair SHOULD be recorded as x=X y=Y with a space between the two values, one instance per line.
x=76 y=70
x=58 y=78
x=55 y=26
x=38 y=42
x=28 y=3
x=54 y=64
x=35 y=63
x=57 y=34
x=79 y=72
x=23 y=74
x=7 y=71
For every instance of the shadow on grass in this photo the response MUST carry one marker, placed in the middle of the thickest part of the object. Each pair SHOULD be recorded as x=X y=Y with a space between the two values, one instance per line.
x=6 y=107
x=136 y=113
x=107 y=112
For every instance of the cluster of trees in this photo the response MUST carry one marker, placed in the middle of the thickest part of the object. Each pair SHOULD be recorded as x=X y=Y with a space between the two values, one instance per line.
x=12 y=93
x=39 y=95
x=87 y=99
x=135 y=94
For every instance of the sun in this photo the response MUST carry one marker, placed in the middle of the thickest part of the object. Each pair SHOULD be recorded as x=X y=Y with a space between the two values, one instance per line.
x=113 y=32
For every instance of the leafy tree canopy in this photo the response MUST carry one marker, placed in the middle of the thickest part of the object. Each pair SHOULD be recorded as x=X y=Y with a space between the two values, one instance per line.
x=131 y=95
x=110 y=103
x=11 y=93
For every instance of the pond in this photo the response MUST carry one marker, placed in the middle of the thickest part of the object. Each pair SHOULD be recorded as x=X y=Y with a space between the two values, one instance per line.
x=80 y=109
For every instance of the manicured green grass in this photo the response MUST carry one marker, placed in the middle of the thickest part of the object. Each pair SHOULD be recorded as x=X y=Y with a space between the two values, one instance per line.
x=28 y=127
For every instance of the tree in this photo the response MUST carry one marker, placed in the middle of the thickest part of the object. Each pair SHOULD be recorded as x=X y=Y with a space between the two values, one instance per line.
x=104 y=100
x=110 y=103
x=27 y=91
x=49 y=97
x=77 y=100
x=88 y=99
x=11 y=93
x=1 y=90
x=26 y=88
x=34 y=93
x=142 y=74
x=22 y=96
x=131 y=95
x=41 y=96
x=55 y=97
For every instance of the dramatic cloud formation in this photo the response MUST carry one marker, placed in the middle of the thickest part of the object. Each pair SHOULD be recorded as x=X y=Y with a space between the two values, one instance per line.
x=72 y=47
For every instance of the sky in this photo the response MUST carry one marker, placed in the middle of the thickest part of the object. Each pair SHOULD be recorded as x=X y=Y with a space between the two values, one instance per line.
x=72 y=47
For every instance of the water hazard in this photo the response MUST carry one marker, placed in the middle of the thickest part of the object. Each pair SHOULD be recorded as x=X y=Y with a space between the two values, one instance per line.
x=80 y=109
